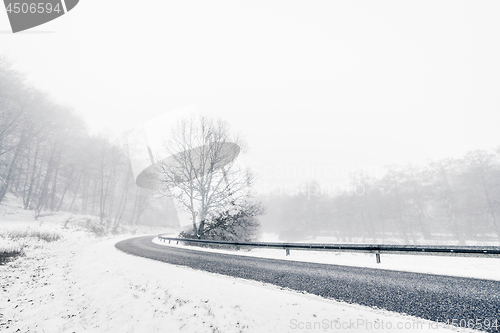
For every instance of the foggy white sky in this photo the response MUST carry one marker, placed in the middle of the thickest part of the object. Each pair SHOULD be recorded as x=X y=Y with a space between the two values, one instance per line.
x=317 y=87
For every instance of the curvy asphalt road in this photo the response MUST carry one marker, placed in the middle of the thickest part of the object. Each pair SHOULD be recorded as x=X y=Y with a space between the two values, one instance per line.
x=434 y=297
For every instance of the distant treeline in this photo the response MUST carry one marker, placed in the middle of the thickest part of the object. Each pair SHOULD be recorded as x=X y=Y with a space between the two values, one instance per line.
x=49 y=159
x=449 y=199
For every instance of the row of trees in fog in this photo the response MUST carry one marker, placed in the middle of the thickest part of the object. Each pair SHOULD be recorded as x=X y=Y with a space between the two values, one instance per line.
x=49 y=159
x=447 y=199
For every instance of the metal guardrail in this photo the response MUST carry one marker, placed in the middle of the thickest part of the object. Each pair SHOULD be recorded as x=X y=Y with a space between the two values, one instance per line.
x=377 y=249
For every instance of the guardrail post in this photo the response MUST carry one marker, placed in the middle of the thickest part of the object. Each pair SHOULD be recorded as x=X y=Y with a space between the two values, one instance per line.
x=377 y=256
x=287 y=251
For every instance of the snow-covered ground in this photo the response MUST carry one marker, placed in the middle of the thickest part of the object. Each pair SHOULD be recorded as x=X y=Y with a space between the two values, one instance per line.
x=473 y=267
x=83 y=283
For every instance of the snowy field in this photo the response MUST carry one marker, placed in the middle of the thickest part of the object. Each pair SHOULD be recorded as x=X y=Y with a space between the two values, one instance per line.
x=81 y=283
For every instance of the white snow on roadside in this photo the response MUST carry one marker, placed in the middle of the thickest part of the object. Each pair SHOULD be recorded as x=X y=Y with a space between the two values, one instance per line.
x=83 y=283
x=472 y=267
x=91 y=286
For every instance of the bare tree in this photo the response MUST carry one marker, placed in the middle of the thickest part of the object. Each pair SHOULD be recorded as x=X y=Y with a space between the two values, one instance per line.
x=200 y=172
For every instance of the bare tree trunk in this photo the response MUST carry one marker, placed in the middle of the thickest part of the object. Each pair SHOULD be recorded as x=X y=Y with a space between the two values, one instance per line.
x=76 y=192
x=85 y=196
x=27 y=172
x=54 y=183
x=5 y=186
x=94 y=186
x=68 y=184
x=123 y=198
x=32 y=180
x=135 y=205
x=36 y=189
x=43 y=198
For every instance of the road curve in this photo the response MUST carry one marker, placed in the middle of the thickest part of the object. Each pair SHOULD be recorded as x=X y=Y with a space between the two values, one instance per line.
x=433 y=297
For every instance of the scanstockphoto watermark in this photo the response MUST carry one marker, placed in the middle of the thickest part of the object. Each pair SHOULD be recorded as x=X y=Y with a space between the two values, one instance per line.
x=26 y=14
x=359 y=324
x=397 y=326
x=312 y=189
x=313 y=171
